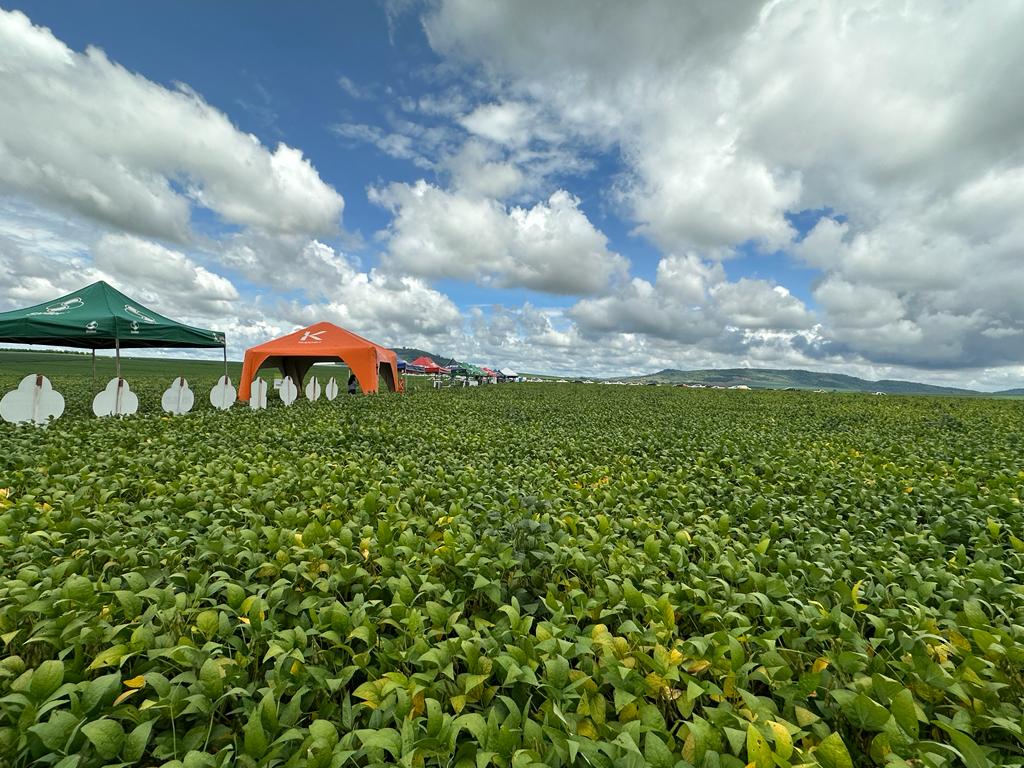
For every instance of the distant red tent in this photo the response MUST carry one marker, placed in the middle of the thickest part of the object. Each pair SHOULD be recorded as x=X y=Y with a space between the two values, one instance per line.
x=428 y=365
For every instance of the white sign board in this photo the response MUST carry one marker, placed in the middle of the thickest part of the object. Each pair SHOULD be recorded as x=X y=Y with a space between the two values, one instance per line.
x=313 y=389
x=331 y=390
x=288 y=391
x=258 y=394
x=222 y=396
x=178 y=399
x=34 y=401
x=116 y=400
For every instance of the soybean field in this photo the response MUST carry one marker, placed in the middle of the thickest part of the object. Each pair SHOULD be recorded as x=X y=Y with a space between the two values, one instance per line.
x=521 y=575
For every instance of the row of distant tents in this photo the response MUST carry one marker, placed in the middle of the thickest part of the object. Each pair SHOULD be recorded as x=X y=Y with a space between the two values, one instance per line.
x=425 y=365
x=100 y=317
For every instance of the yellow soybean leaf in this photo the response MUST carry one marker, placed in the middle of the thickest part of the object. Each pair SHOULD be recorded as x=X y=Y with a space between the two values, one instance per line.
x=832 y=753
x=783 y=741
x=586 y=728
x=855 y=596
x=805 y=717
x=758 y=752
x=124 y=696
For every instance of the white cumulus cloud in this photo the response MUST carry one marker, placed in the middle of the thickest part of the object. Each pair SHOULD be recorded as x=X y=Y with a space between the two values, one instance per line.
x=894 y=120
x=84 y=133
x=692 y=301
x=170 y=274
x=551 y=246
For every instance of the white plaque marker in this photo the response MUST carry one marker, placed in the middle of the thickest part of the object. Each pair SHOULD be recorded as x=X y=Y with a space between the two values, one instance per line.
x=288 y=391
x=331 y=390
x=313 y=389
x=178 y=399
x=222 y=396
x=258 y=394
x=116 y=400
x=35 y=400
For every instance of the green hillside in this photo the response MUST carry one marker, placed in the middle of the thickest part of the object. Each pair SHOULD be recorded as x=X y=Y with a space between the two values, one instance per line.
x=768 y=378
x=411 y=353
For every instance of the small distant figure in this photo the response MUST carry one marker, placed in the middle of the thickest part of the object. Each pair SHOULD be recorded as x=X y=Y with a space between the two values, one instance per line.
x=353 y=385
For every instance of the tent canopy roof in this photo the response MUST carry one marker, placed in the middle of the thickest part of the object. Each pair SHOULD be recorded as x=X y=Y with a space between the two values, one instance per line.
x=428 y=365
x=99 y=316
x=320 y=339
x=508 y=373
x=296 y=352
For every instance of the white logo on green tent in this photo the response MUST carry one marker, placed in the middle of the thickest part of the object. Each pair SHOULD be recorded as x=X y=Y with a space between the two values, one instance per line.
x=133 y=311
x=61 y=308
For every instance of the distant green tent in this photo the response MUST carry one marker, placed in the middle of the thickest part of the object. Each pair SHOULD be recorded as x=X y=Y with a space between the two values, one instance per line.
x=100 y=317
x=466 y=369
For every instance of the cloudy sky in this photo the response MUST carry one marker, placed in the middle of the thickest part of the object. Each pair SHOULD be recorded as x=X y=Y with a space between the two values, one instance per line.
x=590 y=187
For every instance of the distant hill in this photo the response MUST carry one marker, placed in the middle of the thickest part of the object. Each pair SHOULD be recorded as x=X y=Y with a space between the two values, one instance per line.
x=768 y=378
x=20 y=362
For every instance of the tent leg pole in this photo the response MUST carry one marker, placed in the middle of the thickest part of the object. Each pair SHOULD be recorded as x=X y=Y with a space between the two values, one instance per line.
x=225 y=358
x=94 y=366
x=117 y=355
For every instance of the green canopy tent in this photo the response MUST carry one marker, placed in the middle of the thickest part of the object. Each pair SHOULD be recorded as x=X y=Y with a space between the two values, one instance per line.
x=468 y=370
x=101 y=317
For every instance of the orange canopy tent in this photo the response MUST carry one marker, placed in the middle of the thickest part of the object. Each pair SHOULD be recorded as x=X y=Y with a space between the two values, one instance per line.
x=295 y=354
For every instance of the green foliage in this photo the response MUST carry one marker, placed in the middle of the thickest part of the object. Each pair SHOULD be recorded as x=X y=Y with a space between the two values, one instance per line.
x=17 y=363
x=515 y=576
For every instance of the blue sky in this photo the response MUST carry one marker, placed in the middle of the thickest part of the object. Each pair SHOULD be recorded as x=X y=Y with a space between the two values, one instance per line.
x=276 y=71
x=575 y=188
x=273 y=69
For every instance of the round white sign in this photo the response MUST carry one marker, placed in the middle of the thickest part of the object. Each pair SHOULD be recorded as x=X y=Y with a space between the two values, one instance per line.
x=222 y=396
x=34 y=401
x=178 y=398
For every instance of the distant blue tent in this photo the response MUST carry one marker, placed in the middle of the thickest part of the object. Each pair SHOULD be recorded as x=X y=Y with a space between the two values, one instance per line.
x=406 y=367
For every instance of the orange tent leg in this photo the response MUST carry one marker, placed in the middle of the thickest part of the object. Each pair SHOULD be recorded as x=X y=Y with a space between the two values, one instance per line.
x=364 y=365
